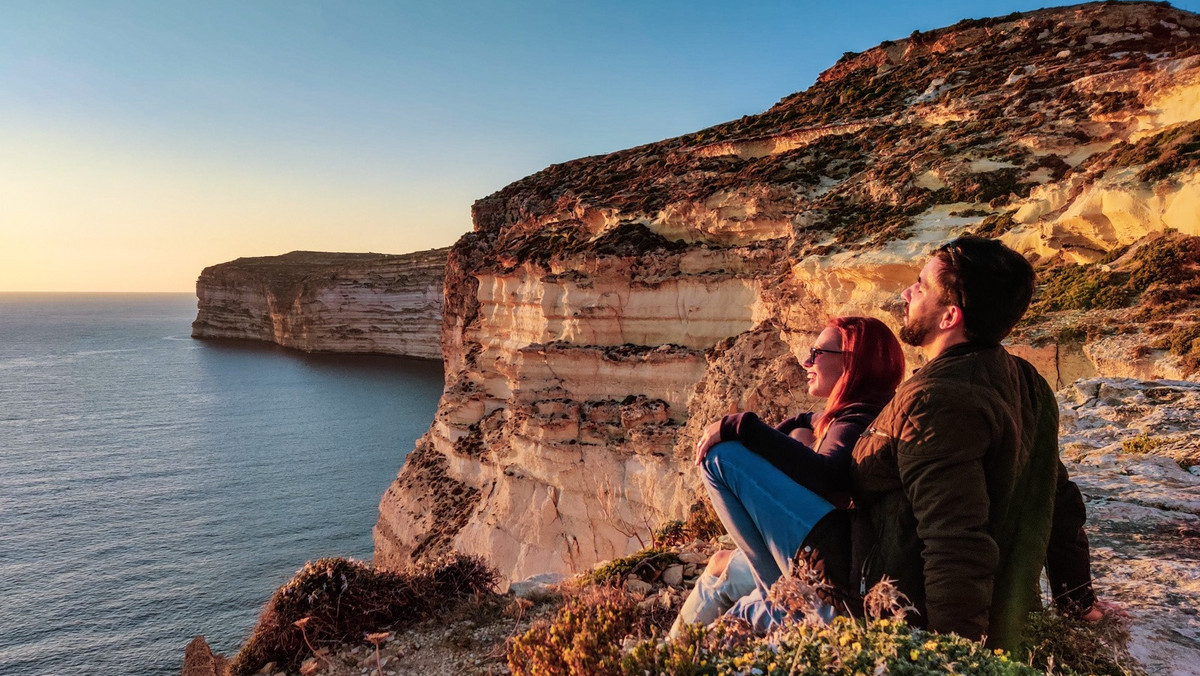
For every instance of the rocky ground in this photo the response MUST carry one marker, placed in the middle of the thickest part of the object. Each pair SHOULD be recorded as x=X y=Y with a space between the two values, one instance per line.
x=1130 y=442
x=470 y=640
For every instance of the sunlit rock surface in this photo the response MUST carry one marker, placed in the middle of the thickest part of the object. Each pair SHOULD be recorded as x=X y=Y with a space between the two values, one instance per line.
x=1135 y=452
x=327 y=302
x=604 y=310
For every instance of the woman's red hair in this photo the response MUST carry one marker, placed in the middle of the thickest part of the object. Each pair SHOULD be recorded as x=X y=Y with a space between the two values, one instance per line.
x=873 y=362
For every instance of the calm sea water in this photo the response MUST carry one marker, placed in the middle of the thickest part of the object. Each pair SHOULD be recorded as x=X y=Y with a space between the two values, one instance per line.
x=154 y=487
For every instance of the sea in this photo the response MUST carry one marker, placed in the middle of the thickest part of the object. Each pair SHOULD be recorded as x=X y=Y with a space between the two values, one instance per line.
x=154 y=487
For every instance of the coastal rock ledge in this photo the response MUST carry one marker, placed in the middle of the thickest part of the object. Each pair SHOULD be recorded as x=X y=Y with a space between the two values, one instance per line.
x=327 y=302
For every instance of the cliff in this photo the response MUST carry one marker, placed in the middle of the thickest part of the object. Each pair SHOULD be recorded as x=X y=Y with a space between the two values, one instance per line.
x=327 y=302
x=605 y=309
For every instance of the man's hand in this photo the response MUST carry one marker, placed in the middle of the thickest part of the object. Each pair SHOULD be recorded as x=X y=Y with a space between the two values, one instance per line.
x=1102 y=609
x=709 y=438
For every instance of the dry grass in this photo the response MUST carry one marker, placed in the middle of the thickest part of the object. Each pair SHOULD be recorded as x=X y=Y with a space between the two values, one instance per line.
x=336 y=600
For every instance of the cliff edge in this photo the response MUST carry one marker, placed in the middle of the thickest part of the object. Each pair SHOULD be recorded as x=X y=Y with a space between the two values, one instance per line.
x=327 y=302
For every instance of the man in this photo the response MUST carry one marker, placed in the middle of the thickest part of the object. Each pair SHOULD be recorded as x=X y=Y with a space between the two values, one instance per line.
x=960 y=492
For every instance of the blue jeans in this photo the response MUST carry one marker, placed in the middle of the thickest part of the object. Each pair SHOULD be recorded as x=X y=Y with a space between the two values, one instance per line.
x=766 y=513
x=715 y=594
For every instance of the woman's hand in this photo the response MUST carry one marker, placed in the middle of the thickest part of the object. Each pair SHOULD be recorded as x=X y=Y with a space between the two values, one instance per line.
x=711 y=436
x=805 y=436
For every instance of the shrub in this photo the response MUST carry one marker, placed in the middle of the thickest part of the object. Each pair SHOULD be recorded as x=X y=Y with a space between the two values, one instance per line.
x=995 y=225
x=1141 y=444
x=671 y=534
x=847 y=647
x=844 y=647
x=1183 y=340
x=702 y=522
x=1063 y=646
x=602 y=631
x=335 y=600
x=1161 y=274
x=584 y=638
x=1081 y=287
x=647 y=563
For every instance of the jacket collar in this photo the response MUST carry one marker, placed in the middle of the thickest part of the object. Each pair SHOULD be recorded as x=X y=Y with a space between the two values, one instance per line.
x=962 y=349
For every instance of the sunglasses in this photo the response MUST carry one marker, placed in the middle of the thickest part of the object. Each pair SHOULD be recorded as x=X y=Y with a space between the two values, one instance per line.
x=814 y=352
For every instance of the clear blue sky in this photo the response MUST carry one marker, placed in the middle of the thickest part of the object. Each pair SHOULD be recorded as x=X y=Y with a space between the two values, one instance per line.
x=145 y=140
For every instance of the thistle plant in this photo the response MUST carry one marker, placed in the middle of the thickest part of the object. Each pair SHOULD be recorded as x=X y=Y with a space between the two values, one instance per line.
x=376 y=639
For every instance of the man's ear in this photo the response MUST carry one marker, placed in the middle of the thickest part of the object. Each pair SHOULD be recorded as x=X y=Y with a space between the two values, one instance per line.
x=952 y=316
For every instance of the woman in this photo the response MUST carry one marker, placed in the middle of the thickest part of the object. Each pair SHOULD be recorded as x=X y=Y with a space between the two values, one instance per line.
x=771 y=485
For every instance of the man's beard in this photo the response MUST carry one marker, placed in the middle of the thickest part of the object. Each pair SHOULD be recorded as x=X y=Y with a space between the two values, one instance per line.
x=917 y=329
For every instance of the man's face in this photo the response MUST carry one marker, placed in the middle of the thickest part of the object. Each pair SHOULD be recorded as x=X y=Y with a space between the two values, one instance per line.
x=923 y=308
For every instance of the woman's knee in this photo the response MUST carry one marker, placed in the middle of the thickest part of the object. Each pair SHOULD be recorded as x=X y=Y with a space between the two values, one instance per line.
x=718 y=562
x=724 y=452
x=724 y=461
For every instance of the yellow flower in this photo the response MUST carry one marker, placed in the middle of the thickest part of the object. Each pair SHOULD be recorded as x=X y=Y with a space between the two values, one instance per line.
x=844 y=639
x=856 y=645
x=913 y=654
x=998 y=652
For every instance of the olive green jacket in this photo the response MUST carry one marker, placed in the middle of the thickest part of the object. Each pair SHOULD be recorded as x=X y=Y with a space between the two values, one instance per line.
x=955 y=486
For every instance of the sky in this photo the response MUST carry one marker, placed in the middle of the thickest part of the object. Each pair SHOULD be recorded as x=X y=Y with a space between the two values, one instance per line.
x=141 y=141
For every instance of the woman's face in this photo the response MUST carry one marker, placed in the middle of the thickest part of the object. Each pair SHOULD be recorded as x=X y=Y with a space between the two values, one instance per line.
x=824 y=368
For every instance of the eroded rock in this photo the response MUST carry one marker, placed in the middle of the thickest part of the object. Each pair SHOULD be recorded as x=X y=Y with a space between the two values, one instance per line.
x=327 y=302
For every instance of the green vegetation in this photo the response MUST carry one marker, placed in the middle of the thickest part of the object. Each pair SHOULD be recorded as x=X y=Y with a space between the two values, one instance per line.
x=1060 y=645
x=1170 y=152
x=986 y=186
x=601 y=630
x=995 y=225
x=671 y=533
x=585 y=636
x=647 y=563
x=846 y=647
x=1161 y=273
x=702 y=522
x=1183 y=340
x=1141 y=444
x=335 y=600
x=1082 y=287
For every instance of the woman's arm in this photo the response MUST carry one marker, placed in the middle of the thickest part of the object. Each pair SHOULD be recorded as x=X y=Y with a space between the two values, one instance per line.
x=823 y=470
x=802 y=421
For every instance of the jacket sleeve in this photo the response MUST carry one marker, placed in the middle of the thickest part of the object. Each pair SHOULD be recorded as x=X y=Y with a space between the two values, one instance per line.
x=1068 y=556
x=796 y=422
x=940 y=457
x=823 y=472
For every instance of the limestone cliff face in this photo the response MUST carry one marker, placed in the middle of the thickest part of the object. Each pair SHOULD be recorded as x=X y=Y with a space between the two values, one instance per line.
x=327 y=302
x=604 y=310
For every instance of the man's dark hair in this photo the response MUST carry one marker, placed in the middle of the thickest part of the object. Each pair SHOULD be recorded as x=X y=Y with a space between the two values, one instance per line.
x=990 y=282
